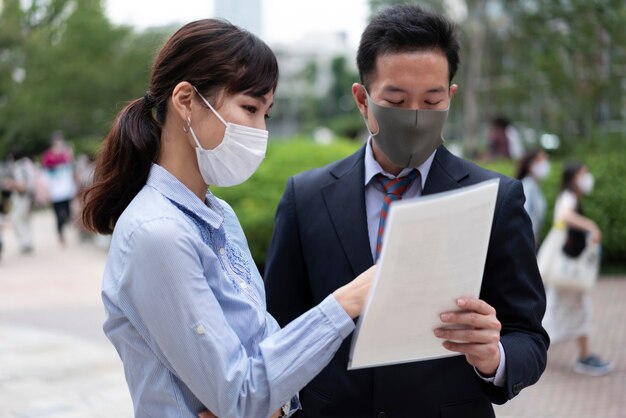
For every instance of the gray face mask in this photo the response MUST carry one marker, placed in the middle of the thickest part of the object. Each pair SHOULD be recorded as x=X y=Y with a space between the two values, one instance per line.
x=407 y=136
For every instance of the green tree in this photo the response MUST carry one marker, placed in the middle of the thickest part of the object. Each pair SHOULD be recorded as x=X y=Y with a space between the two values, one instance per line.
x=71 y=69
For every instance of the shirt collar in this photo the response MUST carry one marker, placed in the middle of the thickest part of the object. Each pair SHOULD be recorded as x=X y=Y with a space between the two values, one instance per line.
x=169 y=186
x=372 y=167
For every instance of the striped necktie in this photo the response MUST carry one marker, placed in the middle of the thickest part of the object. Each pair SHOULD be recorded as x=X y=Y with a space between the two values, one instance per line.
x=394 y=189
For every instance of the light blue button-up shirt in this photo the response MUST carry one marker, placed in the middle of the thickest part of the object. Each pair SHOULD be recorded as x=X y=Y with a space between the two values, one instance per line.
x=186 y=312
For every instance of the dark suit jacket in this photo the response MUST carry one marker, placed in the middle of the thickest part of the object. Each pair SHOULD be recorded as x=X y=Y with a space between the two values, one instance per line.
x=321 y=242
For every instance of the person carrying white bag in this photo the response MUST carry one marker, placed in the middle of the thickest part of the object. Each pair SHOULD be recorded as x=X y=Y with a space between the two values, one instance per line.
x=569 y=260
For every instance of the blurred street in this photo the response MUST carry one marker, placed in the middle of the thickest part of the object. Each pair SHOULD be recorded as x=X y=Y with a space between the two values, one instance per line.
x=56 y=363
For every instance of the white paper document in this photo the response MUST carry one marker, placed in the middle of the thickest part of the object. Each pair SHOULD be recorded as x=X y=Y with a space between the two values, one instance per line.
x=434 y=252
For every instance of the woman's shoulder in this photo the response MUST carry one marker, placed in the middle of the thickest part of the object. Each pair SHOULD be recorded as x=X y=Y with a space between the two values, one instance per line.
x=151 y=213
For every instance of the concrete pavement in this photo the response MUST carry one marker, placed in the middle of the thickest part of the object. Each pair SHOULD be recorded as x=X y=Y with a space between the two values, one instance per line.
x=56 y=363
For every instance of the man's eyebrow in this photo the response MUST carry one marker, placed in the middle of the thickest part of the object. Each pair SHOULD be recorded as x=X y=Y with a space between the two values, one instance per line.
x=439 y=89
x=396 y=89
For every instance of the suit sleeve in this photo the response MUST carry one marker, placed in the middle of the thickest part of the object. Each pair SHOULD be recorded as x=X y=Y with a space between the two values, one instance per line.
x=513 y=286
x=286 y=280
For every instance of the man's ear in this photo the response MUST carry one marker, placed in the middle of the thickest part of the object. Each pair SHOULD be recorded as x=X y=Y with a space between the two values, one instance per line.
x=358 y=91
x=453 y=89
x=182 y=99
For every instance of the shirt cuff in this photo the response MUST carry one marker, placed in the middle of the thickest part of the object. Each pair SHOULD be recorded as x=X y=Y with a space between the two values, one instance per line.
x=337 y=316
x=500 y=378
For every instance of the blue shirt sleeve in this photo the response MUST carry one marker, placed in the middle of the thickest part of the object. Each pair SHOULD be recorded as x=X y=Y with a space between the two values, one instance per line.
x=164 y=292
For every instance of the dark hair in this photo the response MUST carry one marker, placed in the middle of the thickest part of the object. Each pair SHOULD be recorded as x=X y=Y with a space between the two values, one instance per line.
x=406 y=28
x=570 y=169
x=523 y=167
x=210 y=54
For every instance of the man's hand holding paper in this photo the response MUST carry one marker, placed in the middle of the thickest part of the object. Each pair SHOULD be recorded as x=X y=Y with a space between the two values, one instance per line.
x=475 y=332
x=428 y=282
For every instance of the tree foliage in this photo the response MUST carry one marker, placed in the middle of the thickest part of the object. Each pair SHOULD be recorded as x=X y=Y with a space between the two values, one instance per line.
x=64 y=66
x=554 y=65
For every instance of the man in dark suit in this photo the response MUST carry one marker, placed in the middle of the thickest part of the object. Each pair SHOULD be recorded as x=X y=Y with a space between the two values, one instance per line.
x=327 y=232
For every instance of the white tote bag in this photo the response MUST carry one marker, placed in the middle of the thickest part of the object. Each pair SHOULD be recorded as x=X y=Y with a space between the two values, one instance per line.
x=560 y=270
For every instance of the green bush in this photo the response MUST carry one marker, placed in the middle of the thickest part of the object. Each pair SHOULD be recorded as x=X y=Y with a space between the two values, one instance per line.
x=255 y=201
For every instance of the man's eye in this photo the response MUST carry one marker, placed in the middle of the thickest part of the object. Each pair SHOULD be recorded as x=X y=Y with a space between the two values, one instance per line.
x=394 y=103
x=432 y=103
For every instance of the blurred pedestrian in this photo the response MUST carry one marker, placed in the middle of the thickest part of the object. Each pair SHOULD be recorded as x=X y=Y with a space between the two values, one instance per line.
x=84 y=178
x=5 y=199
x=504 y=140
x=498 y=142
x=569 y=311
x=58 y=164
x=185 y=303
x=21 y=183
x=533 y=168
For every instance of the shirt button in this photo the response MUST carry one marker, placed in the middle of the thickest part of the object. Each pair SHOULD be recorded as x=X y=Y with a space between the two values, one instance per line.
x=222 y=251
x=200 y=330
x=244 y=285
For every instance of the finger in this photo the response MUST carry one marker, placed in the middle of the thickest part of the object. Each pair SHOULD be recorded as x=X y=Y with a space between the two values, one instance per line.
x=468 y=335
x=471 y=320
x=477 y=352
x=476 y=305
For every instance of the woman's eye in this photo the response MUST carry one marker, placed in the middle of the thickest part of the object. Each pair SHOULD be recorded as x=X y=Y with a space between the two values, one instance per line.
x=267 y=117
x=250 y=109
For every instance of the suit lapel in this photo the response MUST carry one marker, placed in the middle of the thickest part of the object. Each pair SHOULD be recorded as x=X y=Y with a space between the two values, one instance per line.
x=445 y=173
x=345 y=202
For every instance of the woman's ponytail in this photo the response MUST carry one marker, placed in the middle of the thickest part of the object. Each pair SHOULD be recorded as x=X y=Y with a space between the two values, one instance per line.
x=122 y=165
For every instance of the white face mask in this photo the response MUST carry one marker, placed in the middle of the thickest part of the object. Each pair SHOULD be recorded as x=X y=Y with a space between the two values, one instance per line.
x=236 y=158
x=540 y=169
x=585 y=183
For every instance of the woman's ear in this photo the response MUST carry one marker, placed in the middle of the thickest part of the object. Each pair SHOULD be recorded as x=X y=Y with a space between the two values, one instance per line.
x=182 y=99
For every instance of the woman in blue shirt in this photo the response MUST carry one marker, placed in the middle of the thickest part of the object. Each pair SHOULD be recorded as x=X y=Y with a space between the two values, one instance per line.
x=185 y=303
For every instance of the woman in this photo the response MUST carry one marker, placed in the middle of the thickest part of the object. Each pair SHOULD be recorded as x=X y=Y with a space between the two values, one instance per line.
x=568 y=312
x=58 y=162
x=185 y=304
x=533 y=168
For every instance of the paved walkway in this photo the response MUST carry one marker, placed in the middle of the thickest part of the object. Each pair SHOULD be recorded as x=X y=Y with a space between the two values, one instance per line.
x=56 y=363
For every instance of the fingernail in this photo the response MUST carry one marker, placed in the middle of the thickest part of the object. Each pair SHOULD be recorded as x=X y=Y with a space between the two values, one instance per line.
x=461 y=302
x=445 y=317
x=438 y=332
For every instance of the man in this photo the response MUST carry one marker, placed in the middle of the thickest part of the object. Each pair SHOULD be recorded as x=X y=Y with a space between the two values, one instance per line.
x=22 y=184
x=327 y=231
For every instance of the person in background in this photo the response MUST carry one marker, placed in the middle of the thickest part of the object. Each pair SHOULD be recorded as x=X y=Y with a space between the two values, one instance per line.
x=533 y=168
x=497 y=140
x=185 y=303
x=22 y=186
x=568 y=311
x=57 y=162
x=84 y=178
x=5 y=198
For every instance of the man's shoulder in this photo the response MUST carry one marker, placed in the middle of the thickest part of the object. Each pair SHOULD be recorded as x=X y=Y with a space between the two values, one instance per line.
x=320 y=176
x=475 y=173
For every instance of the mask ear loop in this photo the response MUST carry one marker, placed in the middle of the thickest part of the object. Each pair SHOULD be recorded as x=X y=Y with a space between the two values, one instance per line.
x=367 y=125
x=210 y=107
x=188 y=127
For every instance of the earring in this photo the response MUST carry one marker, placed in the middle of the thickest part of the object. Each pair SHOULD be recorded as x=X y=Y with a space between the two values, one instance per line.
x=188 y=127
